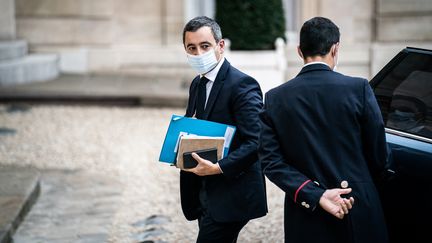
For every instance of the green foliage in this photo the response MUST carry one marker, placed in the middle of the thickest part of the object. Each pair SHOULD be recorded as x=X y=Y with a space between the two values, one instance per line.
x=251 y=24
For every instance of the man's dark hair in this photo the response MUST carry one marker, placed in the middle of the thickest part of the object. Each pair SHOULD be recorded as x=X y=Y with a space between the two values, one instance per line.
x=198 y=22
x=317 y=36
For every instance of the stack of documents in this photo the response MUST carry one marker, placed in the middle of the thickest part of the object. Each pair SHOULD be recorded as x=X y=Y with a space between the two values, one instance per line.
x=185 y=127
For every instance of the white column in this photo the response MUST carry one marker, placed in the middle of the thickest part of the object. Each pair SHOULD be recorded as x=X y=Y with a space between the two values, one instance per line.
x=7 y=20
x=195 y=8
x=309 y=9
x=292 y=20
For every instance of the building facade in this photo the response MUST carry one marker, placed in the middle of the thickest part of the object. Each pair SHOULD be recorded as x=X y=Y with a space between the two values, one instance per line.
x=143 y=37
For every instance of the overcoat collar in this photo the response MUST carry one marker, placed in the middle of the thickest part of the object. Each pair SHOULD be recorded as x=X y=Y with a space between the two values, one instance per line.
x=314 y=67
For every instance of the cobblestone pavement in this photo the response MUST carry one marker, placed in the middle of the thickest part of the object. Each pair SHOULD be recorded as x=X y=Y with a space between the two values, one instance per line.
x=101 y=180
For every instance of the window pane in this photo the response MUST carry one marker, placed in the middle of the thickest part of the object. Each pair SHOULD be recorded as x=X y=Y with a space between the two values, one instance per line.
x=405 y=95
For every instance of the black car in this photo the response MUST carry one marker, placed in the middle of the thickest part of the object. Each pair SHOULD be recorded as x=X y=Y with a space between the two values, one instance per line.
x=403 y=89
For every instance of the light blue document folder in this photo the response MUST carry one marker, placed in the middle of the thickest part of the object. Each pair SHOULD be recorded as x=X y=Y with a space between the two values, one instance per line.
x=181 y=125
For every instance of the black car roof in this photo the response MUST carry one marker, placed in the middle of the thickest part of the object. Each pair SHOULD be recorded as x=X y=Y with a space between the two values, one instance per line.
x=395 y=61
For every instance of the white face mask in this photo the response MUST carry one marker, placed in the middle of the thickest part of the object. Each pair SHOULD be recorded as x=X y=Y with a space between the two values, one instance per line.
x=336 y=62
x=203 y=63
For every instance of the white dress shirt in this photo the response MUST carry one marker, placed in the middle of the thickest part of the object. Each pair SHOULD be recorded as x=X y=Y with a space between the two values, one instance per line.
x=211 y=76
x=310 y=63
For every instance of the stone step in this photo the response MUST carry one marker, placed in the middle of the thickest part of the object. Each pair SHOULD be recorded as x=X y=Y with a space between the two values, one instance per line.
x=19 y=190
x=74 y=206
x=31 y=68
x=12 y=49
x=100 y=89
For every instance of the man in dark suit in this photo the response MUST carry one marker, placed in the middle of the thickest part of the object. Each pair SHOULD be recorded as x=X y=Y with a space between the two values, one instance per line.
x=323 y=143
x=223 y=196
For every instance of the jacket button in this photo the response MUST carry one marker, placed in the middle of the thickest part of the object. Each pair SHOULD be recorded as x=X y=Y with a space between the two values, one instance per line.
x=344 y=184
x=303 y=204
x=307 y=206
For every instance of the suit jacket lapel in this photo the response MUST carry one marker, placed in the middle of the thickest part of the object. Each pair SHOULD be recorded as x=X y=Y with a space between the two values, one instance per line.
x=217 y=85
x=190 y=111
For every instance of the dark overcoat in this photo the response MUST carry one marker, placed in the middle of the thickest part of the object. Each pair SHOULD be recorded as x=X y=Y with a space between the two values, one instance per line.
x=323 y=130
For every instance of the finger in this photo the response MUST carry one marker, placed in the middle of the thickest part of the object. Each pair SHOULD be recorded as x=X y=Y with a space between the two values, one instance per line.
x=344 y=208
x=351 y=200
x=197 y=157
x=197 y=171
x=348 y=203
x=344 y=191
x=341 y=211
x=190 y=170
x=339 y=215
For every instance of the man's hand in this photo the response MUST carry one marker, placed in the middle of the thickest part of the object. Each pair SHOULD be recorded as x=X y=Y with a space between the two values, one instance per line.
x=204 y=167
x=332 y=202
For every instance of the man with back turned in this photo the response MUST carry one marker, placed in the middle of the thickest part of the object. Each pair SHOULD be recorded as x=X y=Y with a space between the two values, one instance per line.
x=323 y=143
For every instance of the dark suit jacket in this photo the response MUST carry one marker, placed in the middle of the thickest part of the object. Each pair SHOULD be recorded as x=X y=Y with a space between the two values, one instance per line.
x=239 y=193
x=319 y=129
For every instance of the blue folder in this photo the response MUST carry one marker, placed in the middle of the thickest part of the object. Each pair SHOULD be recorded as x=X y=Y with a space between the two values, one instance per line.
x=181 y=125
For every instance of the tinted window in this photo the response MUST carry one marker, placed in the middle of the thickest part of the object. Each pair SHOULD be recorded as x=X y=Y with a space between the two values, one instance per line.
x=405 y=95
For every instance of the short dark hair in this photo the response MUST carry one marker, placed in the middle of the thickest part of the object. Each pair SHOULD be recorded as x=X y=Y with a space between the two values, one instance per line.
x=198 y=22
x=317 y=36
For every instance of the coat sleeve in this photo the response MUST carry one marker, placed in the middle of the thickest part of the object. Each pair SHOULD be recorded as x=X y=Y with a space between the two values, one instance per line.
x=375 y=148
x=295 y=184
x=247 y=102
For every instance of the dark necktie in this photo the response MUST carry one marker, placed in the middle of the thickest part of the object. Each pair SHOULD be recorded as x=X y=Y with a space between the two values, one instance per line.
x=201 y=97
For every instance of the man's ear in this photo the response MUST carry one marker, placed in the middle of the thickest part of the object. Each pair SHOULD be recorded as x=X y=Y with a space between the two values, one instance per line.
x=221 y=45
x=300 y=52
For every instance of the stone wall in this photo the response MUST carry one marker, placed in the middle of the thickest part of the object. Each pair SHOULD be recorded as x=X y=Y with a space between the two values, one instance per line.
x=354 y=19
x=400 y=23
x=99 y=22
x=102 y=35
x=399 y=20
x=145 y=35
x=372 y=31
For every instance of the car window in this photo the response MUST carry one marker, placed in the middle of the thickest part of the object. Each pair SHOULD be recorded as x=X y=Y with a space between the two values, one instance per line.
x=405 y=95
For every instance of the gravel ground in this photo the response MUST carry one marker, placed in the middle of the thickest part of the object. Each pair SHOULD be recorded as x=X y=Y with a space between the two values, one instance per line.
x=123 y=143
